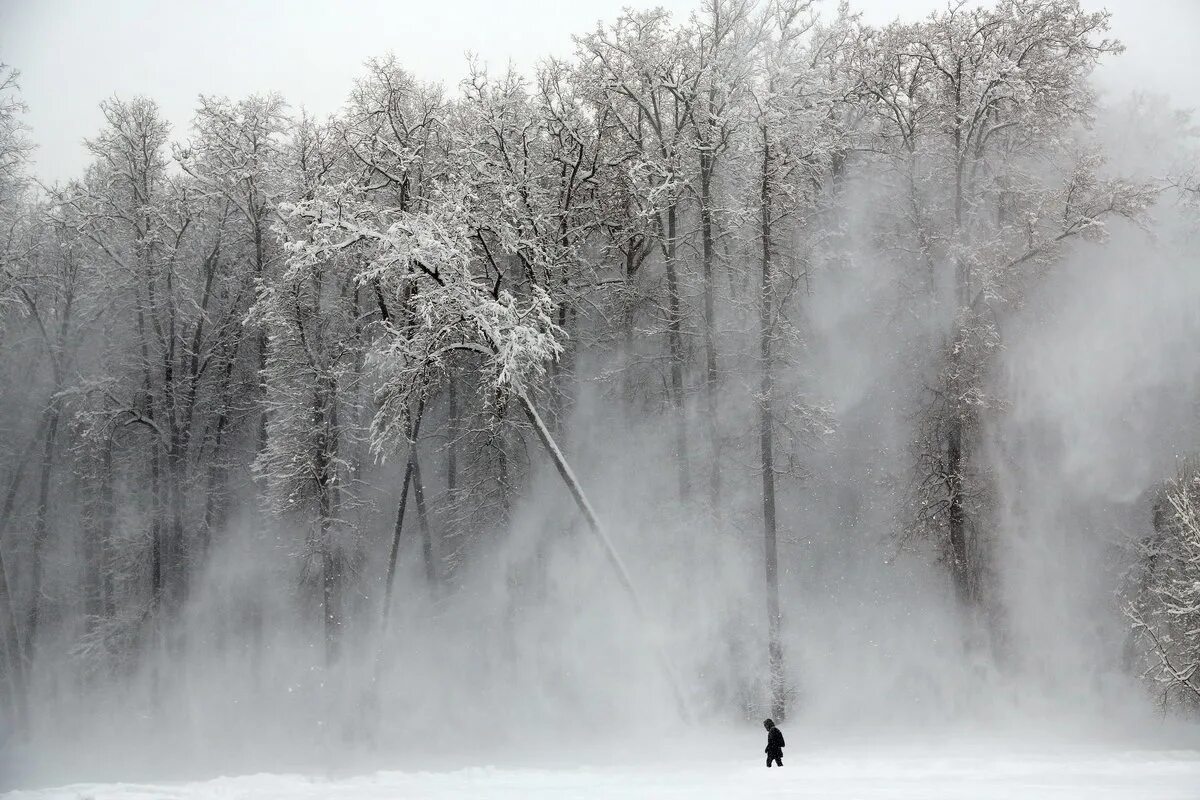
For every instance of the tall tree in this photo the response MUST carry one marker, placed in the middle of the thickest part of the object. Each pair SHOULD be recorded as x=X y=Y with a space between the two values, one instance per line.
x=235 y=158
x=968 y=100
x=309 y=313
x=123 y=208
x=641 y=73
x=15 y=249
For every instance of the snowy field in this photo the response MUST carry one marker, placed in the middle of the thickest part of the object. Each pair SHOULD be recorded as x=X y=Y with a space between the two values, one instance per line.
x=1076 y=775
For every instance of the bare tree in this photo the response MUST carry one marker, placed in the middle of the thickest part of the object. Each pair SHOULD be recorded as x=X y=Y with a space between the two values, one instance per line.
x=639 y=69
x=963 y=103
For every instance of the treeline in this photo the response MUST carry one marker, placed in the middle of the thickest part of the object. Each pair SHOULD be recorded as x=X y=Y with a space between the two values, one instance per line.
x=232 y=329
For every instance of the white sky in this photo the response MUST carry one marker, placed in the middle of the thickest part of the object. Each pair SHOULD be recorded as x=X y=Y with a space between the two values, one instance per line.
x=74 y=53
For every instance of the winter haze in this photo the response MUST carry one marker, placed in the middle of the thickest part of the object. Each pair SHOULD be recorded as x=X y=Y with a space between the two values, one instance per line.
x=470 y=399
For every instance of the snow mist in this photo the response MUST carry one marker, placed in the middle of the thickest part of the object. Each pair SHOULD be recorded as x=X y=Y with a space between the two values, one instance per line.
x=812 y=342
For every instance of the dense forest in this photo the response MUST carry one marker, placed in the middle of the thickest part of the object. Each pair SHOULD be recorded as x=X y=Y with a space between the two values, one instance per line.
x=674 y=377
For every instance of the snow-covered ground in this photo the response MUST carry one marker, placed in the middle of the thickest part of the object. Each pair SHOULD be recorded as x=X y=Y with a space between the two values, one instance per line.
x=920 y=774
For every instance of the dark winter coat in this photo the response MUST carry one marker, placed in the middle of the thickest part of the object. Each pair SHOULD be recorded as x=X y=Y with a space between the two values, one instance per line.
x=774 y=742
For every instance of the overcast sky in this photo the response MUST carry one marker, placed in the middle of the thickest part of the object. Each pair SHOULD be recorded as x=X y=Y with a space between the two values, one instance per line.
x=74 y=53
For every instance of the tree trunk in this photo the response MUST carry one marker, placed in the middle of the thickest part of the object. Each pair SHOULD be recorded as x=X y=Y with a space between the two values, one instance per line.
x=502 y=468
x=260 y=440
x=14 y=662
x=710 y=347
x=961 y=567
x=147 y=403
x=52 y=415
x=634 y=253
x=177 y=558
x=174 y=555
x=398 y=530
x=428 y=554
x=156 y=535
x=956 y=426
x=610 y=551
x=41 y=531
x=766 y=423
x=108 y=512
x=215 y=496
x=330 y=581
x=13 y=652
x=327 y=509
x=93 y=559
x=452 y=433
x=13 y=646
x=675 y=345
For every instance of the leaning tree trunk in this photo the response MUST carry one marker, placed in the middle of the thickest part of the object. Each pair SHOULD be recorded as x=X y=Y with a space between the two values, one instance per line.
x=766 y=423
x=428 y=553
x=370 y=710
x=398 y=531
x=593 y=521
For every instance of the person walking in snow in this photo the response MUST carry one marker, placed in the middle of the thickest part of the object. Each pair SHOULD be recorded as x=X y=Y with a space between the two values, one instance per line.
x=774 y=743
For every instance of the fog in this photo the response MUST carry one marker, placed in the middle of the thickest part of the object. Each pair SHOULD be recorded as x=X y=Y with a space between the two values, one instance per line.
x=524 y=649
